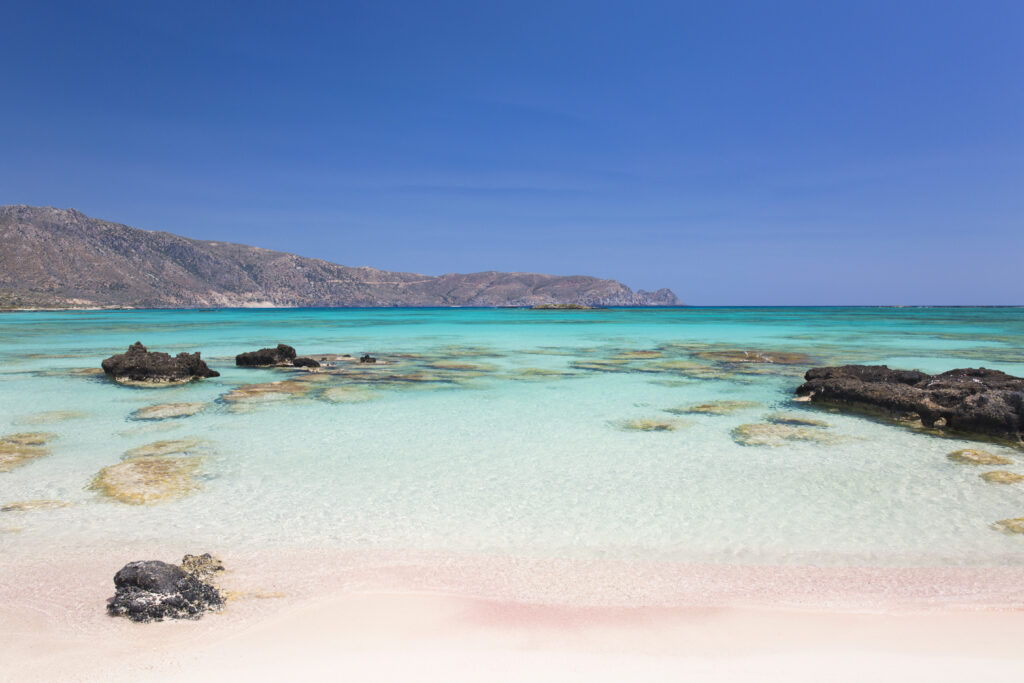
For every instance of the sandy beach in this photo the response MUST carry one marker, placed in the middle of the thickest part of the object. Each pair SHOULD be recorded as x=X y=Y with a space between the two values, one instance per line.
x=427 y=617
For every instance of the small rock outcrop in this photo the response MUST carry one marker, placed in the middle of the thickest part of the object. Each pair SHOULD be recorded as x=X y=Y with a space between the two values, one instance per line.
x=971 y=456
x=153 y=590
x=138 y=364
x=972 y=400
x=304 y=362
x=281 y=355
x=367 y=358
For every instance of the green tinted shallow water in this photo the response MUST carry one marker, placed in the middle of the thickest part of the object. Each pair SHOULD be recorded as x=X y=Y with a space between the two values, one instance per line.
x=502 y=431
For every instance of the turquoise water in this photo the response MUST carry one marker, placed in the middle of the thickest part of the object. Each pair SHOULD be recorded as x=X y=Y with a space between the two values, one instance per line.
x=504 y=431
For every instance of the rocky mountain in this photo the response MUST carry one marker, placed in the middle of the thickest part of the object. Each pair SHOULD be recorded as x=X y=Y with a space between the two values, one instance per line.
x=60 y=257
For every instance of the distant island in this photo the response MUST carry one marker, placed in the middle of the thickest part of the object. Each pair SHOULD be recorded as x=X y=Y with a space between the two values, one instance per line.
x=61 y=258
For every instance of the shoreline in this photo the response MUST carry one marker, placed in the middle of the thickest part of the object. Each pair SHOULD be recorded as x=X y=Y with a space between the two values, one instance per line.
x=393 y=615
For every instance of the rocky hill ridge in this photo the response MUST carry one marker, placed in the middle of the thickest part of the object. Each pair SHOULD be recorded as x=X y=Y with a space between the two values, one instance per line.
x=60 y=257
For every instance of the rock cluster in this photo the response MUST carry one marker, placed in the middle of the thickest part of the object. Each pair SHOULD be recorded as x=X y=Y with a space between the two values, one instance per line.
x=973 y=400
x=153 y=590
x=138 y=364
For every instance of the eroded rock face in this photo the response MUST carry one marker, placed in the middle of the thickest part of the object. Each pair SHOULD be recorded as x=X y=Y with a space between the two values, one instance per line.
x=140 y=365
x=153 y=590
x=281 y=355
x=974 y=400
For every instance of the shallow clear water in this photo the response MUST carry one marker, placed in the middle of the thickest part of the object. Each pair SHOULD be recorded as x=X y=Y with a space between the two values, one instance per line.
x=519 y=447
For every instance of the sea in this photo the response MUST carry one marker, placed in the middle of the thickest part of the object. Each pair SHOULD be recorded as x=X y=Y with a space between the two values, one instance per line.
x=667 y=434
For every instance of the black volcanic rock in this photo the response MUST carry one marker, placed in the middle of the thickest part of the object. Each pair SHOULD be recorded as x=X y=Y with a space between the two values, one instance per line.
x=138 y=364
x=265 y=357
x=367 y=358
x=60 y=257
x=154 y=590
x=972 y=400
x=304 y=362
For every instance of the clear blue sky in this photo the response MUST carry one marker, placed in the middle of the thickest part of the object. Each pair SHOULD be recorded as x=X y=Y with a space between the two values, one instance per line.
x=738 y=152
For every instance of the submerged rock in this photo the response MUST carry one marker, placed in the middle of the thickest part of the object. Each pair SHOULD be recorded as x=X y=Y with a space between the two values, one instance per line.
x=1012 y=526
x=970 y=456
x=168 y=447
x=145 y=481
x=602 y=365
x=974 y=400
x=457 y=366
x=714 y=408
x=28 y=438
x=539 y=374
x=30 y=505
x=153 y=590
x=795 y=420
x=639 y=354
x=1003 y=477
x=281 y=355
x=348 y=394
x=754 y=356
x=166 y=411
x=641 y=425
x=267 y=391
x=22 y=448
x=141 y=366
x=51 y=416
x=767 y=434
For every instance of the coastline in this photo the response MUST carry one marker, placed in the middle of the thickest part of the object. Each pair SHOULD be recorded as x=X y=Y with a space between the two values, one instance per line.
x=395 y=615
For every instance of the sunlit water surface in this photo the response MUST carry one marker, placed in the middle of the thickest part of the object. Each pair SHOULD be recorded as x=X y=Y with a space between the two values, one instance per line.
x=505 y=432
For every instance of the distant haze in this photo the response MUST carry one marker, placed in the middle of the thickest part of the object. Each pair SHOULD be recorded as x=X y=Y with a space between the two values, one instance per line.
x=735 y=152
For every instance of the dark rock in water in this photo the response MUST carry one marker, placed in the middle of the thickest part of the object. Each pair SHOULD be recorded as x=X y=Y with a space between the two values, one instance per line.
x=264 y=357
x=367 y=358
x=975 y=400
x=304 y=362
x=153 y=590
x=141 y=365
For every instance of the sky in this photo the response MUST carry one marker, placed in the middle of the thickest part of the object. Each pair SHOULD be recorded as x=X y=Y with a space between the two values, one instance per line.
x=738 y=152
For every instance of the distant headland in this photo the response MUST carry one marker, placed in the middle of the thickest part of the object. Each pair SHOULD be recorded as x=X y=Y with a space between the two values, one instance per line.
x=61 y=258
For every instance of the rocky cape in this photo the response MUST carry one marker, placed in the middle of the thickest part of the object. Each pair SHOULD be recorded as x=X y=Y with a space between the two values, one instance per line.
x=970 y=400
x=57 y=258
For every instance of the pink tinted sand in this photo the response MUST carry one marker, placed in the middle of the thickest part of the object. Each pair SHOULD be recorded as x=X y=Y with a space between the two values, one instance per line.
x=391 y=616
